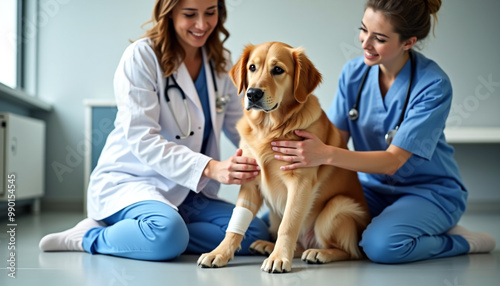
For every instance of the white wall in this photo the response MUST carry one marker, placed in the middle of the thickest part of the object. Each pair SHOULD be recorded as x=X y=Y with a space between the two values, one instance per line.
x=81 y=42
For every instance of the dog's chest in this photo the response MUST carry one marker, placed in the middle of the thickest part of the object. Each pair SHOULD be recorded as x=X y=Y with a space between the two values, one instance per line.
x=275 y=196
x=272 y=179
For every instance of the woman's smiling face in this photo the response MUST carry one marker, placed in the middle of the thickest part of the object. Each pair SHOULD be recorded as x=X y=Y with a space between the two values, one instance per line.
x=194 y=21
x=380 y=43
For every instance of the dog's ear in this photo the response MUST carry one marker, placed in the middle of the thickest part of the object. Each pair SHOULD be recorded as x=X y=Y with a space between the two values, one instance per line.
x=306 y=77
x=238 y=72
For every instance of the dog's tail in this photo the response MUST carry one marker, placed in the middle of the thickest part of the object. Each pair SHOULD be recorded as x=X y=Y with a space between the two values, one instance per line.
x=340 y=225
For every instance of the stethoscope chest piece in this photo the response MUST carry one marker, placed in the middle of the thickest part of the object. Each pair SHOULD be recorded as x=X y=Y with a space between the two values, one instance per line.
x=221 y=102
x=390 y=135
x=353 y=114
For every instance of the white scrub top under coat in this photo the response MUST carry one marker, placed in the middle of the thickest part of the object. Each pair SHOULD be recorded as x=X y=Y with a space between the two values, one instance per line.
x=431 y=171
x=142 y=159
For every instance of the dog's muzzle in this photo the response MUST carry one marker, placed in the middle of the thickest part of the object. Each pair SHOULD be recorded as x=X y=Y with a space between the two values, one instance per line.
x=254 y=95
x=255 y=100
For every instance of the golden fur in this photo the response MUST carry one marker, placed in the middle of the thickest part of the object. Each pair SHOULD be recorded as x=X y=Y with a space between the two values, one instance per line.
x=320 y=209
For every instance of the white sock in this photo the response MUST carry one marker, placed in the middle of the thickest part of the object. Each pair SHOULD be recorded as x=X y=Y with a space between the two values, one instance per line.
x=68 y=240
x=480 y=242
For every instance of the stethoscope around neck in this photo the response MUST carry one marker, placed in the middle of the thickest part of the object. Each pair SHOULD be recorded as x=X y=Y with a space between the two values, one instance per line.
x=354 y=111
x=220 y=103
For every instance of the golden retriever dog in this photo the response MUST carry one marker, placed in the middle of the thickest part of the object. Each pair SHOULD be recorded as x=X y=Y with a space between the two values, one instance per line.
x=319 y=212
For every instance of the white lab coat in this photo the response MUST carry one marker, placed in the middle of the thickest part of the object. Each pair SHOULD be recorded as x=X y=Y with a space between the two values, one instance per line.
x=142 y=159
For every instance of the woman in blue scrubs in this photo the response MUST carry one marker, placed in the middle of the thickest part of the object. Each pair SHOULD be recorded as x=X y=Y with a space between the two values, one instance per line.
x=412 y=184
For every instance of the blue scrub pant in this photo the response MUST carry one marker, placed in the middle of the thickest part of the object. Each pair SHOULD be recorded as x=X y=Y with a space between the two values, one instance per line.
x=410 y=228
x=152 y=230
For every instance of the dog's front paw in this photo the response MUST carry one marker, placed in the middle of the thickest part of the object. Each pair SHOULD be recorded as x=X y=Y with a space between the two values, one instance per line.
x=213 y=260
x=276 y=265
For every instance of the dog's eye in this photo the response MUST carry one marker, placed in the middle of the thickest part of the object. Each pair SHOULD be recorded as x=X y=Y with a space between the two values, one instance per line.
x=277 y=70
x=252 y=68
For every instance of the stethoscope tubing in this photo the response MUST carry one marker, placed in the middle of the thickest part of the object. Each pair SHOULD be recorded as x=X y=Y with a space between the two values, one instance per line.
x=354 y=111
x=190 y=131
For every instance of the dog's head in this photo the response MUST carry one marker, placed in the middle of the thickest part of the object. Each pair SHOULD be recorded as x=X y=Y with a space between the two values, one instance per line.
x=274 y=74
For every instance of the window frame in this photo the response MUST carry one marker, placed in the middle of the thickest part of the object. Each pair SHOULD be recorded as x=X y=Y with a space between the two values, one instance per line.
x=20 y=50
x=25 y=93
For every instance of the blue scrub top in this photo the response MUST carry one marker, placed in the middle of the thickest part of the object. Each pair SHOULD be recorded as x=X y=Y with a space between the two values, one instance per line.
x=431 y=171
x=201 y=87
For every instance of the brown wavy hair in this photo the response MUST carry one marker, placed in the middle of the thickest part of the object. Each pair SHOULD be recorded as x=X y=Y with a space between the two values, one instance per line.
x=410 y=18
x=166 y=45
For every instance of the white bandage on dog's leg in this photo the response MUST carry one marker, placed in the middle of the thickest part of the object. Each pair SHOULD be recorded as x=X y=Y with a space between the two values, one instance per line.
x=240 y=220
x=249 y=204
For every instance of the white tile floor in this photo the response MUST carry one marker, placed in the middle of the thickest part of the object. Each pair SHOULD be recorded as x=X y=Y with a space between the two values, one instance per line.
x=34 y=267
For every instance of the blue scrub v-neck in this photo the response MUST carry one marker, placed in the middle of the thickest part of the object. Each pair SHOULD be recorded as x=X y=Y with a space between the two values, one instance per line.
x=201 y=87
x=396 y=94
x=394 y=100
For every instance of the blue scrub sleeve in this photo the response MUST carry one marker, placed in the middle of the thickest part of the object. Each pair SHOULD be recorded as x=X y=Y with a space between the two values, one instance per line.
x=339 y=110
x=425 y=119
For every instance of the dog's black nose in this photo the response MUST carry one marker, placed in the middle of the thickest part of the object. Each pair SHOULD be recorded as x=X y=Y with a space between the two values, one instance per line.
x=254 y=94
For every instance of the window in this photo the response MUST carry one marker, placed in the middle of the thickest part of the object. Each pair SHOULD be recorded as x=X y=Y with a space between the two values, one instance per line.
x=18 y=54
x=8 y=43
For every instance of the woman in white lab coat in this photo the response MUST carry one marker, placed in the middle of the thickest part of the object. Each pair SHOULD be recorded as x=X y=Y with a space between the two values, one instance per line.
x=153 y=193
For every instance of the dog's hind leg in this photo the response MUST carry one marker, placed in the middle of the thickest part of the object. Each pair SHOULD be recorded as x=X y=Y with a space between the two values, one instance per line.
x=337 y=230
x=262 y=247
x=319 y=256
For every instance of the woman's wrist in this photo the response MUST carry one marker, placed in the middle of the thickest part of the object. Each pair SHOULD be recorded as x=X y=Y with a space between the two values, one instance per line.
x=330 y=155
x=207 y=172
